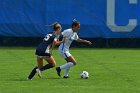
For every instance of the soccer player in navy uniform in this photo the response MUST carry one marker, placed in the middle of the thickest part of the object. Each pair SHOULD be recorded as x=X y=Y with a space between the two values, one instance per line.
x=44 y=51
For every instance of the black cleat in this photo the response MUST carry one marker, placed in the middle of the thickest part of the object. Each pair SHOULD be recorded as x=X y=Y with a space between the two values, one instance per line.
x=58 y=71
x=66 y=77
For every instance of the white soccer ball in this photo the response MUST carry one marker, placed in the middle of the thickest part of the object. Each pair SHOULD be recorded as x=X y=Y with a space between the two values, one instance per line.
x=84 y=75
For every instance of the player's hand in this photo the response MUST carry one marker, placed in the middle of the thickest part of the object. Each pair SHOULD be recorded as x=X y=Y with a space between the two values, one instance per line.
x=64 y=39
x=89 y=42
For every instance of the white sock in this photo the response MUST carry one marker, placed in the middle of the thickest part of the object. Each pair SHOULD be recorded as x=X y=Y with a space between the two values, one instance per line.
x=67 y=72
x=67 y=65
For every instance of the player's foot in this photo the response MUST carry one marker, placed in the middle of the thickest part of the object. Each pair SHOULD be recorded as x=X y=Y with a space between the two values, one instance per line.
x=58 y=71
x=66 y=77
x=29 y=79
x=39 y=72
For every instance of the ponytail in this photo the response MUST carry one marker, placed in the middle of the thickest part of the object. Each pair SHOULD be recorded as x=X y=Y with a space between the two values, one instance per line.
x=54 y=26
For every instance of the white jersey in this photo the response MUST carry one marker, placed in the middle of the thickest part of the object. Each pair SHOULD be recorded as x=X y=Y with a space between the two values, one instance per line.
x=70 y=36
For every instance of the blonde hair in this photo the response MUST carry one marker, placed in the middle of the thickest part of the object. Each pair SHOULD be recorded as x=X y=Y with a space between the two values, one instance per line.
x=55 y=27
x=54 y=24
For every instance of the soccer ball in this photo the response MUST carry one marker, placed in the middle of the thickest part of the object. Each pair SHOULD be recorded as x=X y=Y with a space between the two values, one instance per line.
x=84 y=75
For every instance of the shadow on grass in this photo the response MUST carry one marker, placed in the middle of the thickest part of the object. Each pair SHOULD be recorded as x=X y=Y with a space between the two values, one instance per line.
x=24 y=79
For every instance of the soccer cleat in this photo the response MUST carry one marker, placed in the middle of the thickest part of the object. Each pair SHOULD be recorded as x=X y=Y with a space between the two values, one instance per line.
x=39 y=72
x=66 y=77
x=29 y=79
x=58 y=71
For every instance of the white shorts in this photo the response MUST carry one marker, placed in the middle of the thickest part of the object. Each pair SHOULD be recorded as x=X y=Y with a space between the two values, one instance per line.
x=65 y=54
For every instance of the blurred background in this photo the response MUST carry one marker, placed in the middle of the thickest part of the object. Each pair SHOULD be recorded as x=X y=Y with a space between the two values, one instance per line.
x=107 y=23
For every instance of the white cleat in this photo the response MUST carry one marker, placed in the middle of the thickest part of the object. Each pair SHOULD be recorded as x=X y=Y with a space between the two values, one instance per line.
x=29 y=79
x=39 y=72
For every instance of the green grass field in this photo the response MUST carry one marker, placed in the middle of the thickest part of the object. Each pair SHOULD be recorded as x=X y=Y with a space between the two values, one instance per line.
x=111 y=71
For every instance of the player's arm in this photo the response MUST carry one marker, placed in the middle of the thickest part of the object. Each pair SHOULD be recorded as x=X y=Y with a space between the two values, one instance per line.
x=83 y=40
x=56 y=42
x=59 y=42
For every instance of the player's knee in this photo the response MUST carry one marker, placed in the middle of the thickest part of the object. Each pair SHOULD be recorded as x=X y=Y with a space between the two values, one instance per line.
x=74 y=62
x=53 y=64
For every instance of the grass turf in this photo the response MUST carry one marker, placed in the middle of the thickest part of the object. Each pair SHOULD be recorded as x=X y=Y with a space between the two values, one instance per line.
x=110 y=71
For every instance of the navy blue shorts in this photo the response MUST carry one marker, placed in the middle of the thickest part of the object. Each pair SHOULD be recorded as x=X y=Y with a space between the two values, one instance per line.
x=42 y=54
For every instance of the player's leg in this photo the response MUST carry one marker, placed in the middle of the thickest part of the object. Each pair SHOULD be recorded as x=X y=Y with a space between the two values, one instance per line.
x=33 y=72
x=51 y=63
x=66 y=72
x=35 y=69
x=39 y=62
x=70 y=62
x=40 y=65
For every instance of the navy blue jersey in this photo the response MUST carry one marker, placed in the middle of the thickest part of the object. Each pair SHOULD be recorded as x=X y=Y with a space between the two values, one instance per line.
x=46 y=44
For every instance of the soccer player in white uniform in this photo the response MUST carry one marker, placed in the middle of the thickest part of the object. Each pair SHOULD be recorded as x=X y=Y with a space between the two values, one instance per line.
x=70 y=35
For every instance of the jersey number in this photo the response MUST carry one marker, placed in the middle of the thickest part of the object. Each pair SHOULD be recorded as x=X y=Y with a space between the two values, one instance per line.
x=47 y=38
